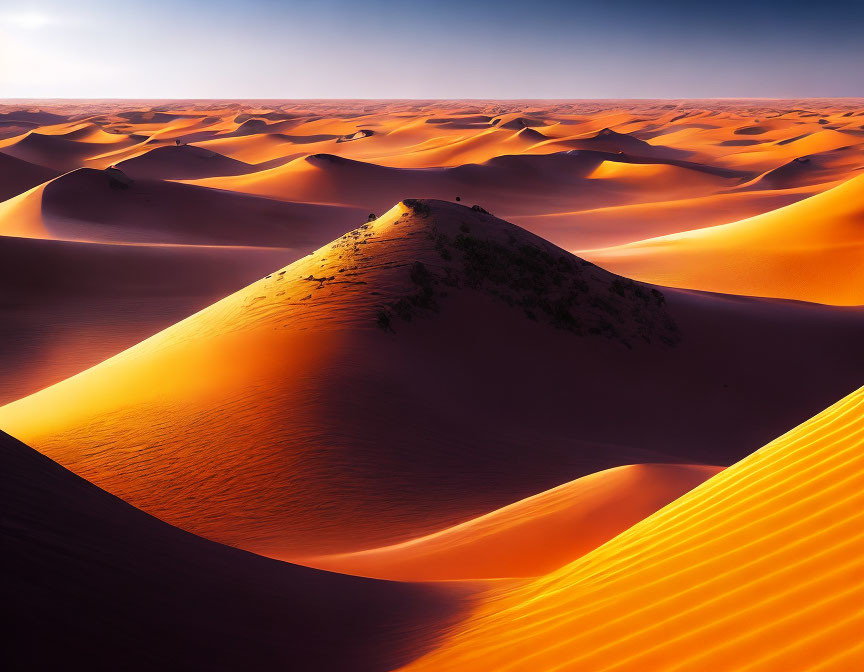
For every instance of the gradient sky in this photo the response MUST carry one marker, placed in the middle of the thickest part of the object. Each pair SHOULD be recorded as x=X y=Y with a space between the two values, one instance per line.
x=430 y=49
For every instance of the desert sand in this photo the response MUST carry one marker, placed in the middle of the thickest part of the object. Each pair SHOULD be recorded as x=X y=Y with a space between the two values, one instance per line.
x=261 y=419
x=490 y=385
x=87 y=565
x=530 y=537
x=758 y=568
x=811 y=250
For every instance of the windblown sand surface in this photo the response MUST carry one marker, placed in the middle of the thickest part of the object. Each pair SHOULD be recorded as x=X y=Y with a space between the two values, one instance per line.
x=759 y=568
x=533 y=536
x=294 y=328
x=812 y=250
x=97 y=581
x=585 y=176
x=353 y=398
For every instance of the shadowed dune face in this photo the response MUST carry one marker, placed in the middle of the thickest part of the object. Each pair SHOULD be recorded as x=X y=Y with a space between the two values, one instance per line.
x=67 y=306
x=179 y=162
x=759 y=568
x=86 y=564
x=533 y=536
x=359 y=373
x=108 y=206
x=17 y=176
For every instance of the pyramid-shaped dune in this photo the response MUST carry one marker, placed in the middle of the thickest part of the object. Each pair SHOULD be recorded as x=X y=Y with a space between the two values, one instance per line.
x=812 y=250
x=354 y=400
x=760 y=568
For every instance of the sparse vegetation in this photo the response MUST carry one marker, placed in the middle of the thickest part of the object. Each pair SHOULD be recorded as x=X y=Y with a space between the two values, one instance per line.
x=419 y=208
x=545 y=284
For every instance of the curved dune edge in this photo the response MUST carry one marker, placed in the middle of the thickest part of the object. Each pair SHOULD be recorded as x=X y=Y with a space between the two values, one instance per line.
x=757 y=569
x=107 y=206
x=258 y=422
x=811 y=250
x=530 y=537
x=90 y=577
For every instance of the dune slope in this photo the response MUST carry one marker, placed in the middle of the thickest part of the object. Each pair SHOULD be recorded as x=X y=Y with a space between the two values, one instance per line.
x=812 y=250
x=107 y=206
x=533 y=536
x=90 y=581
x=181 y=162
x=757 y=569
x=67 y=306
x=354 y=399
x=17 y=176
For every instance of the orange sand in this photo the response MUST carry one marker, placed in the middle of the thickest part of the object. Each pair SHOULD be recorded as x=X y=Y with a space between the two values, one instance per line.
x=757 y=569
x=811 y=250
x=259 y=421
x=531 y=537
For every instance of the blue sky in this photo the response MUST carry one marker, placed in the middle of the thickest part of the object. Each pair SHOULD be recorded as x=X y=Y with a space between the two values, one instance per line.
x=446 y=49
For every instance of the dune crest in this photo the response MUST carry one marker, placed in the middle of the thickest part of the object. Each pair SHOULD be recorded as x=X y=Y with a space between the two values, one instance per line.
x=759 y=568
x=85 y=562
x=811 y=250
x=533 y=536
x=226 y=407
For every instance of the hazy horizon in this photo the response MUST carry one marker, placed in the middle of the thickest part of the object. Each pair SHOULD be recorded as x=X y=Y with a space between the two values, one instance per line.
x=389 y=50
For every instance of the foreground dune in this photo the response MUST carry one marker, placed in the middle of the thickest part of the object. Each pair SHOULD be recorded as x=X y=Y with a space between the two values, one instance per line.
x=757 y=569
x=811 y=250
x=88 y=580
x=260 y=422
x=533 y=536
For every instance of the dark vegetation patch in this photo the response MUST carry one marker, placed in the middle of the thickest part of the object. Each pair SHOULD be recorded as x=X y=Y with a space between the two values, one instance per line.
x=544 y=284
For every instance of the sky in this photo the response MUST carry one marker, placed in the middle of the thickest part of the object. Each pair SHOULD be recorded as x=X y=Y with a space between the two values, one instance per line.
x=431 y=49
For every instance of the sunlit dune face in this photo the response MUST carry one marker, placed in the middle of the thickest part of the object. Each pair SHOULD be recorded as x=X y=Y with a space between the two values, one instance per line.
x=757 y=569
x=810 y=251
x=255 y=422
x=532 y=537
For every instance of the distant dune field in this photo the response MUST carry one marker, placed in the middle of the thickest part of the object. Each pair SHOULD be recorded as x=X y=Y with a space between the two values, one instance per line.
x=516 y=386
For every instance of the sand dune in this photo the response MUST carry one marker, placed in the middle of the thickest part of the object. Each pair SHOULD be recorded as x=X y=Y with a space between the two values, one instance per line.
x=819 y=168
x=17 y=176
x=67 y=306
x=56 y=151
x=758 y=569
x=437 y=395
x=237 y=391
x=107 y=206
x=40 y=117
x=811 y=250
x=618 y=225
x=775 y=146
x=510 y=185
x=533 y=536
x=607 y=140
x=183 y=162
x=95 y=579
